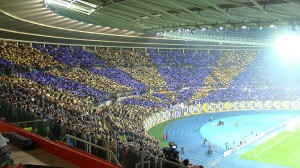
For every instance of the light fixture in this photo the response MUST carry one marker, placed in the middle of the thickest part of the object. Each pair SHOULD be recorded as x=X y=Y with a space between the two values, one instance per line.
x=272 y=25
x=80 y=6
x=212 y=36
x=244 y=27
x=221 y=28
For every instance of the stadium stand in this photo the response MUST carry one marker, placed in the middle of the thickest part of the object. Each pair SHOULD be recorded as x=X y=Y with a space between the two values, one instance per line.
x=64 y=87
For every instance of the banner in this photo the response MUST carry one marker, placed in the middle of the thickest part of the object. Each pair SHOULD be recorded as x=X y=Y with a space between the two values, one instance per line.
x=181 y=110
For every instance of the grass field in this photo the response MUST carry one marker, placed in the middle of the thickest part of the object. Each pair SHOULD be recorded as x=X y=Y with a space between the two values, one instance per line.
x=283 y=150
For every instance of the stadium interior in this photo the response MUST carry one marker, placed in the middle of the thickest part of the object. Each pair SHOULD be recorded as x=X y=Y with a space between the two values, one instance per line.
x=112 y=83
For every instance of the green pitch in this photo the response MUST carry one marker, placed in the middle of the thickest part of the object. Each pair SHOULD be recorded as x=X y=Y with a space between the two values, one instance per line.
x=283 y=150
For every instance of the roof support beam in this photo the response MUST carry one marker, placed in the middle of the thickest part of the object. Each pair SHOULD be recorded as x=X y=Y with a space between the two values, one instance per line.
x=162 y=22
x=203 y=19
x=251 y=7
x=214 y=10
x=121 y=17
x=262 y=9
x=158 y=9
x=223 y=11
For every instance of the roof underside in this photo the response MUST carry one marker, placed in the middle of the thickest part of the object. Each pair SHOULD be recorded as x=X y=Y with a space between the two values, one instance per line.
x=150 y=16
x=135 y=22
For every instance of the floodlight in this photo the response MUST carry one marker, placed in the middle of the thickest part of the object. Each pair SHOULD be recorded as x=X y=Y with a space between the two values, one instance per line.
x=287 y=46
x=88 y=9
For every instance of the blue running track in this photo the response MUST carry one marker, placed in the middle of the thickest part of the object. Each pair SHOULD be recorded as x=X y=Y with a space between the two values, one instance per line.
x=190 y=132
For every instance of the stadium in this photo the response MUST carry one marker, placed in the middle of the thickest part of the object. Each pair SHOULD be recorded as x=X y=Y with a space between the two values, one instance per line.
x=150 y=84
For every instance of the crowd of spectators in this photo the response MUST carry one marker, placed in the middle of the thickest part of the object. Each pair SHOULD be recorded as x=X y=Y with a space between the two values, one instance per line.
x=190 y=58
x=185 y=95
x=178 y=78
x=124 y=58
x=89 y=79
x=128 y=117
x=228 y=67
x=26 y=56
x=149 y=76
x=163 y=96
x=145 y=100
x=62 y=84
x=231 y=65
x=23 y=92
x=120 y=77
x=6 y=66
x=73 y=56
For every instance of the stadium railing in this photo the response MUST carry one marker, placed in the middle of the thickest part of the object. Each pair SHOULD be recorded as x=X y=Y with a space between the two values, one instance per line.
x=89 y=147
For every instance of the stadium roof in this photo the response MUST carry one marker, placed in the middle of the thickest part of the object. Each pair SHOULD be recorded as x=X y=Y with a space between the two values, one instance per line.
x=136 y=22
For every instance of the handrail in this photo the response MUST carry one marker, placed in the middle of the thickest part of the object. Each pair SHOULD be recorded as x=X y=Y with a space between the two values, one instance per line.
x=111 y=154
x=24 y=122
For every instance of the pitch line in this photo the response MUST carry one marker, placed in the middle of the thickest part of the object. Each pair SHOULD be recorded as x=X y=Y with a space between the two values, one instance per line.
x=283 y=138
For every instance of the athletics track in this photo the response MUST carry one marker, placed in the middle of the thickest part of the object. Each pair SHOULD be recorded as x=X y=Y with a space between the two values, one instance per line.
x=190 y=132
